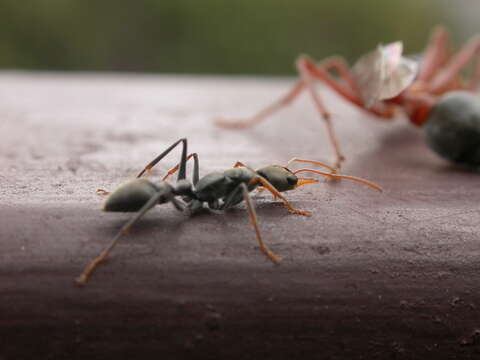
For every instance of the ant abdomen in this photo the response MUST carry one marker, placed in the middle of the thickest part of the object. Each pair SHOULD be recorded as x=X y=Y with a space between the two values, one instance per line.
x=453 y=128
x=130 y=196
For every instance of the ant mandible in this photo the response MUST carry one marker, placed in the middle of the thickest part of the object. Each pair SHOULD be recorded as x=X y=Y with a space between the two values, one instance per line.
x=433 y=94
x=216 y=190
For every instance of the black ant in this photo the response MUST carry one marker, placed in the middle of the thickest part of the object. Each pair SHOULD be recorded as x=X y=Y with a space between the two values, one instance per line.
x=218 y=190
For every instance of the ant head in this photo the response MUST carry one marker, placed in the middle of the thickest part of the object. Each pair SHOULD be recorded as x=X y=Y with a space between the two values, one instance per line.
x=131 y=196
x=282 y=178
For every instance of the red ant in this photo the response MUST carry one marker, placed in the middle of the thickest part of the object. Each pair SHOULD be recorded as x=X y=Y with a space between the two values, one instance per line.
x=383 y=80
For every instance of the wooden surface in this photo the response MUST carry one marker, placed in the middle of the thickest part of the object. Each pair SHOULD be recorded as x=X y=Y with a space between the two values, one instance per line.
x=367 y=276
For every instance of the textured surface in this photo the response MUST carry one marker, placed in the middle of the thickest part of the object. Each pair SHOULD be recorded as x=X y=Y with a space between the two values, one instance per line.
x=369 y=275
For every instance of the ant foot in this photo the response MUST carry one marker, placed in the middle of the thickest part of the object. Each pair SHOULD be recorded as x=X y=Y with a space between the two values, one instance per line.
x=301 y=212
x=275 y=259
x=81 y=280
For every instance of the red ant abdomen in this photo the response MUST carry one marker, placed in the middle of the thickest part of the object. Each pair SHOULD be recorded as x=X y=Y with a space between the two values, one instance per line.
x=453 y=128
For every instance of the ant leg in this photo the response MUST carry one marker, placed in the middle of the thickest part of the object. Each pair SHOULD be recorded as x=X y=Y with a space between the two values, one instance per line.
x=334 y=62
x=196 y=175
x=178 y=204
x=182 y=174
x=239 y=164
x=418 y=105
x=182 y=165
x=347 y=88
x=339 y=65
x=266 y=184
x=444 y=80
x=475 y=83
x=266 y=112
x=303 y=64
x=309 y=71
x=253 y=218
x=83 y=278
x=435 y=55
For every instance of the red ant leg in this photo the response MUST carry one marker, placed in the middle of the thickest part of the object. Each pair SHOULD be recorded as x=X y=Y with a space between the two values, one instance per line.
x=350 y=93
x=304 y=66
x=308 y=70
x=347 y=89
x=435 y=55
x=266 y=112
x=443 y=81
x=417 y=106
x=475 y=82
x=338 y=64
x=335 y=62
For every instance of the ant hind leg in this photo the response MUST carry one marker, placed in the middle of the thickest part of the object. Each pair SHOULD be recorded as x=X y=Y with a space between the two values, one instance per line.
x=84 y=276
x=195 y=168
x=183 y=160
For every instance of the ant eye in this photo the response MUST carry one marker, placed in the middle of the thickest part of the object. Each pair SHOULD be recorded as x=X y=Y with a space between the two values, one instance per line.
x=292 y=179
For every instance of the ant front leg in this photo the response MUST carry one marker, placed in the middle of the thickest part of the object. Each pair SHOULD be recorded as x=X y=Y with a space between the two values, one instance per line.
x=266 y=184
x=335 y=63
x=347 y=89
x=254 y=220
x=229 y=202
x=303 y=66
x=346 y=85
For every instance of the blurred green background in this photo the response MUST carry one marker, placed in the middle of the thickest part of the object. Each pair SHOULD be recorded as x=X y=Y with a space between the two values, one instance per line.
x=207 y=36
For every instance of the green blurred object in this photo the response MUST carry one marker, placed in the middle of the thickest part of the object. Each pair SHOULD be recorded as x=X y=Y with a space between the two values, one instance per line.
x=208 y=36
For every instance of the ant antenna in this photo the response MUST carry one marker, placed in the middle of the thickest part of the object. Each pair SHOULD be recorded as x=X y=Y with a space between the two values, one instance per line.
x=314 y=162
x=337 y=176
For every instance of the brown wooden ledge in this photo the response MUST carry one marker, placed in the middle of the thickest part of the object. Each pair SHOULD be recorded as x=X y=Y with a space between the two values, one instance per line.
x=368 y=276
